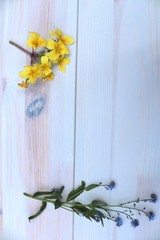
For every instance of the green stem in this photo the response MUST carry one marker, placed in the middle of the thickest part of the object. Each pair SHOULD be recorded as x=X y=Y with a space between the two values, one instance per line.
x=128 y=215
x=65 y=207
x=126 y=207
x=77 y=204
x=134 y=201
x=19 y=47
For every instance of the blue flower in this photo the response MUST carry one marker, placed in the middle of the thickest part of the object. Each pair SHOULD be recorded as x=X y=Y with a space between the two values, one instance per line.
x=119 y=221
x=135 y=223
x=97 y=217
x=110 y=186
x=154 y=198
x=151 y=216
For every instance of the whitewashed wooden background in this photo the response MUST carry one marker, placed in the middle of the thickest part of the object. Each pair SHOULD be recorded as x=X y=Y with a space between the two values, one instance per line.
x=101 y=120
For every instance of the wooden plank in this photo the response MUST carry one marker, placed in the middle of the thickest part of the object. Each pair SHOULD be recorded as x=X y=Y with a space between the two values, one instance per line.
x=117 y=110
x=95 y=93
x=37 y=152
x=12 y=126
x=117 y=114
x=2 y=85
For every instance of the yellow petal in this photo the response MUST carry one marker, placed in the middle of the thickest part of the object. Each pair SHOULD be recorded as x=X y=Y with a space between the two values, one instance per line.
x=53 y=56
x=51 y=44
x=53 y=34
x=48 y=77
x=28 y=68
x=41 y=42
x=35 y=71
x=31 y=80
x=44 y=60
x=23 y=74
x=65 y=61
x=23 y=84
x=63 y=48
x=35 y=67
x=59 y=33
x=62 y=67
x=67 y=40
x=29 y=42
x=47 y=71
x=39 y=74
x=35 y=41
x=32 y=43
x=34 y=35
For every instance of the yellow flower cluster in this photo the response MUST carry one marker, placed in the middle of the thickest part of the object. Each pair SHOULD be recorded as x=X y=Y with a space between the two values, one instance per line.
x=53 y=51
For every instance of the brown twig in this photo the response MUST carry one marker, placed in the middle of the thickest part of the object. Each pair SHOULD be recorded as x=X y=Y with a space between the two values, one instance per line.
x=21 y=48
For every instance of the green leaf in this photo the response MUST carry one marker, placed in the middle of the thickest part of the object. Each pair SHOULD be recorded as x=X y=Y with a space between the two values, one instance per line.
x=54 y=194
x=85 y=211
x=40 y=54
x=51 y=197
x=57 y=204
x=42 y=208
x=91 y=186
x=78 y=206
x=99 y=202
x=95 y=202
x=101 y=217
x=75 y=193
x=36 y=194
x=90 y=214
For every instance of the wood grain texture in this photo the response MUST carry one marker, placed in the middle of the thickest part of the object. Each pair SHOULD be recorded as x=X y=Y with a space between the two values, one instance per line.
x=117 y=127
x=37 y=152
x=100 y=120
x=2 y=10
x=95 y=93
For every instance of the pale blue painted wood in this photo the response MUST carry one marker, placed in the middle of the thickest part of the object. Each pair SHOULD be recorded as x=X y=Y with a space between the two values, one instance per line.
x=37 y=153
x=117 y=130
x=111 y=131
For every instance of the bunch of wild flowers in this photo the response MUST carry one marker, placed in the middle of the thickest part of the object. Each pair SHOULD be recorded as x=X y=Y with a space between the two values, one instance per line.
x=53 y=51
x=97 y=210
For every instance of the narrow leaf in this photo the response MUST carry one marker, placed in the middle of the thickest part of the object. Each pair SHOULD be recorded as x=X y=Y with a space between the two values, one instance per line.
x=78 y=206
x=51 y=197
x=101 y=217
x=36 y=194
x=75 y=193
x=42 y=208
x=99 y=202
x=91 y=186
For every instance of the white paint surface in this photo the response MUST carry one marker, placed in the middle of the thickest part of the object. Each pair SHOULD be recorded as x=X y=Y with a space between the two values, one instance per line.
x=101 y=120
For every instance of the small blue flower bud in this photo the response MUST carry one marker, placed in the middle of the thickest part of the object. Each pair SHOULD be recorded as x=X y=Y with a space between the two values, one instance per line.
x=119 y=221
x=97 y=218
x=135 y=223
x=154 y=198
x=110 y=186
x=151 y=216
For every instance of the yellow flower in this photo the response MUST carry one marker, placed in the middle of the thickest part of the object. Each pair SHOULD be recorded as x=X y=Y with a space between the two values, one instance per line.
x=35 y=41
x=31 y=73
x=23 y=84
x=45 y=66
x=57 y=49
x=48 y=77
x=64 y=39
x=62 y=62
